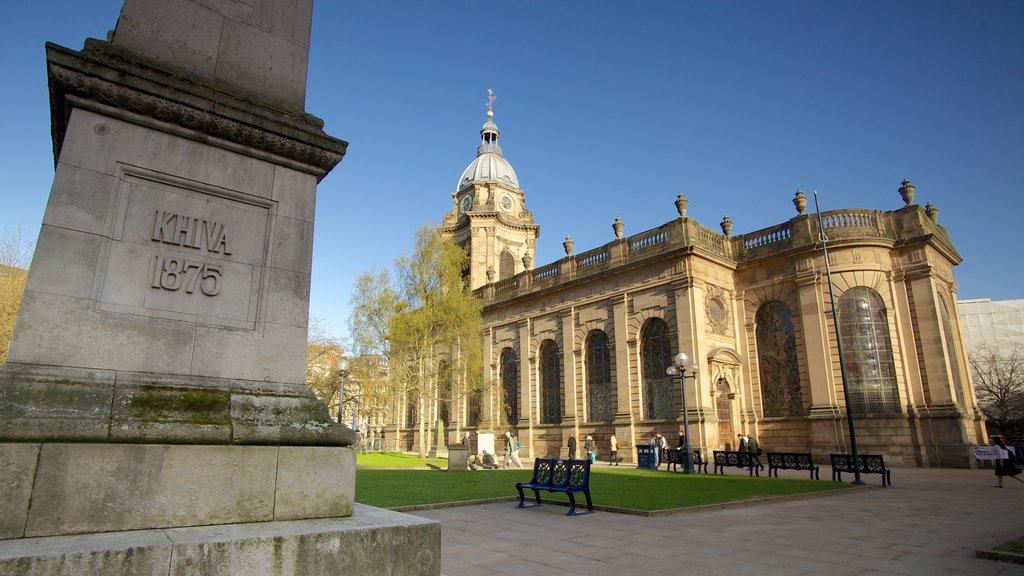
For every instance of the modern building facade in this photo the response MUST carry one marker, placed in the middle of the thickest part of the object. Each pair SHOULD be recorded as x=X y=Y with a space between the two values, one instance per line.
x=581 y=346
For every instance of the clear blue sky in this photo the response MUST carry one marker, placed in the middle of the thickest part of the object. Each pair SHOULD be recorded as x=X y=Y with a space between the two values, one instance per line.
x=611 y=108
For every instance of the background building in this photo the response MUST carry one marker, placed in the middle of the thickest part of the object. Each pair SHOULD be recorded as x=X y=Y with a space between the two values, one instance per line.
x=581 y=345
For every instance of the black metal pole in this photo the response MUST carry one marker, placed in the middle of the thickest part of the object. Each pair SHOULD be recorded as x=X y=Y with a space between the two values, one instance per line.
x=688 y=469
x=839 y=345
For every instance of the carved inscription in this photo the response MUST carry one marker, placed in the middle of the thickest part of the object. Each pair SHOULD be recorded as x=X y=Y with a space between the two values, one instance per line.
x=176 y=273
x=190 y=232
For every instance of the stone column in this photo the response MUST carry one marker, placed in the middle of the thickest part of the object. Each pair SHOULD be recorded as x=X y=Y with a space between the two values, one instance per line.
x=569 y=353
x=826 y=429
x=156 y=375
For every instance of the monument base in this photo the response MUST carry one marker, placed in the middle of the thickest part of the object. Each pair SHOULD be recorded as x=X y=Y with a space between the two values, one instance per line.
x=370 y=542
x=54 y=489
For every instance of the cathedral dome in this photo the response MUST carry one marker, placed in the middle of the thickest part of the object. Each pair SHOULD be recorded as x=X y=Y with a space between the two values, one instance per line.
x=489 y=165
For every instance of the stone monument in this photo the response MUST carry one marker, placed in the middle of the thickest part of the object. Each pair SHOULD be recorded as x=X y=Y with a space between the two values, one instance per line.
x=154 y=385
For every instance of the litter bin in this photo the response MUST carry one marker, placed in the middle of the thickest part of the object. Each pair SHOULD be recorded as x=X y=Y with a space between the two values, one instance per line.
x=645 y=456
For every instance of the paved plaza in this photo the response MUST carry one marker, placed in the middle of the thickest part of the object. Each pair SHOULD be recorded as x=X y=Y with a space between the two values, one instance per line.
x=930 y=522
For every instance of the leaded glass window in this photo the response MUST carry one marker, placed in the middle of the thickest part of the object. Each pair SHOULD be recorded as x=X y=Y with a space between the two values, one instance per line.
x=473 y=408
x=655 y=357
x=550 y=376
x=510 y=384
x=444 y=391
x=599 y=378
x=410 y=412
x=954 y=362
x=867 y=352
x=776 y=359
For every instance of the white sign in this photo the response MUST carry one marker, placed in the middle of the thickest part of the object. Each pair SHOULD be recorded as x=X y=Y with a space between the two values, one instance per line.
x=986 y=452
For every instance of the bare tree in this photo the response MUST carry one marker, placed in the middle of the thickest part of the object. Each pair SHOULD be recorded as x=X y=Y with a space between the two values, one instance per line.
x=15 y=255
x=322 y=355
x=999 y=383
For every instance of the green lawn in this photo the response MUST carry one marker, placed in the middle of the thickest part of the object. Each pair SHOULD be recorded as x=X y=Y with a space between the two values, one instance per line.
x=399 y=460
x=621 y=487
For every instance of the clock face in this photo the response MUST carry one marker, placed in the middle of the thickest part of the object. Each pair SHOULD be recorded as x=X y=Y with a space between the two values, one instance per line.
x=466 y=203
x=505 y=202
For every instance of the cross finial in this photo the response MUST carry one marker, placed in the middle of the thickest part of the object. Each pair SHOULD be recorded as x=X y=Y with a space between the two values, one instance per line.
x=490 y=100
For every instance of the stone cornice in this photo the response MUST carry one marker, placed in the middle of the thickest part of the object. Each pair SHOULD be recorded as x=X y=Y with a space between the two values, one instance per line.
x=117 y=81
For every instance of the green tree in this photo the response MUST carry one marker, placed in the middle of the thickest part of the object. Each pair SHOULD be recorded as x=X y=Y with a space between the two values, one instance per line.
x=427 y=324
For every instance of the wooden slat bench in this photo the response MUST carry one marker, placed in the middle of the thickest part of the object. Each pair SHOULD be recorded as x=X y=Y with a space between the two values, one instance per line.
x=735 y=459
x=570 y=477
x=868 y=464
x=791 y=461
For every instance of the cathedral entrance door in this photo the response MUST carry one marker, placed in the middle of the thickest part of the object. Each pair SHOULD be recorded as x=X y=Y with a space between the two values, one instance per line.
x=723 y=409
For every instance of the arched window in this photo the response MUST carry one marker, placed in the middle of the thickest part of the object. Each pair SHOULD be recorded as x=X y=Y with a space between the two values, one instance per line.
x=506 y=265
x=550 y=377
x=474 y=402
x=600 y=402
x=411 y=411
x=655 y=357
x=776 y=361
x=510 y=384
x=444 y=391
x=954 y=362
x=867 y=352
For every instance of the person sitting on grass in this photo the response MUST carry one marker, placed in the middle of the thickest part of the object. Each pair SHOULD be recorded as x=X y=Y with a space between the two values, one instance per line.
x=487 y=461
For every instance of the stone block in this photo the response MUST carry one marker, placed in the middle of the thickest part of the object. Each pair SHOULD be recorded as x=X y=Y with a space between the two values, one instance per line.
x=17 y=472
x=68 y=332
x=81 y=488
x=120 y=553
x=276 y=354
x=53 y=403
x=182 y=34
x=81 y=200
x=292 y=247
x=287 y=297
x=371 y=542
x=314 y=482
x=295 y=193
x=288 y=420
x=64 y=263
x=264 y=64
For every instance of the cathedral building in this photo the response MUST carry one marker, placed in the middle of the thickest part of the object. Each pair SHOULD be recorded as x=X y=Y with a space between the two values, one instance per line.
x=581 y=345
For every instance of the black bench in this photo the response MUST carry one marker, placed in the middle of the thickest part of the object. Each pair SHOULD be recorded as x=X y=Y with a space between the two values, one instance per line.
x=567 y=476
x=868 y=464
x=677 y=457
x=791 y=461
x=736 y=459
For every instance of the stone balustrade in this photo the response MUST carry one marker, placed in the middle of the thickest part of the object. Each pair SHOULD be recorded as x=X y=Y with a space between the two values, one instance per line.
x=686 y=234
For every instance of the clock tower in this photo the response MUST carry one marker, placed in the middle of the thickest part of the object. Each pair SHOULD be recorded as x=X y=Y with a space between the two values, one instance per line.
x=488 y=216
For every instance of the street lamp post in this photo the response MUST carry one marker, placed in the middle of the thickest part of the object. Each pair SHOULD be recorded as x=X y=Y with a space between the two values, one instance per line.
x=678 y=370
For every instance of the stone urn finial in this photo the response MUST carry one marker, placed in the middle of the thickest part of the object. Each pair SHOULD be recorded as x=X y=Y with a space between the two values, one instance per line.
x=726 y=225
x=932 y=212
x=907 y=192
x=528 y=261
x=681 y=203
x=618 y=226
x=800 y=201
x=568 y=244
x=490 y=274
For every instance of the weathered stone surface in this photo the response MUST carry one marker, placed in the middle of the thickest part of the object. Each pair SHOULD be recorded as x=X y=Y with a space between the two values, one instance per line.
x=308 y=482
x=101 y=487
x=233 y=43
x=46 y=403
x=371 y=542
x=17 y=471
